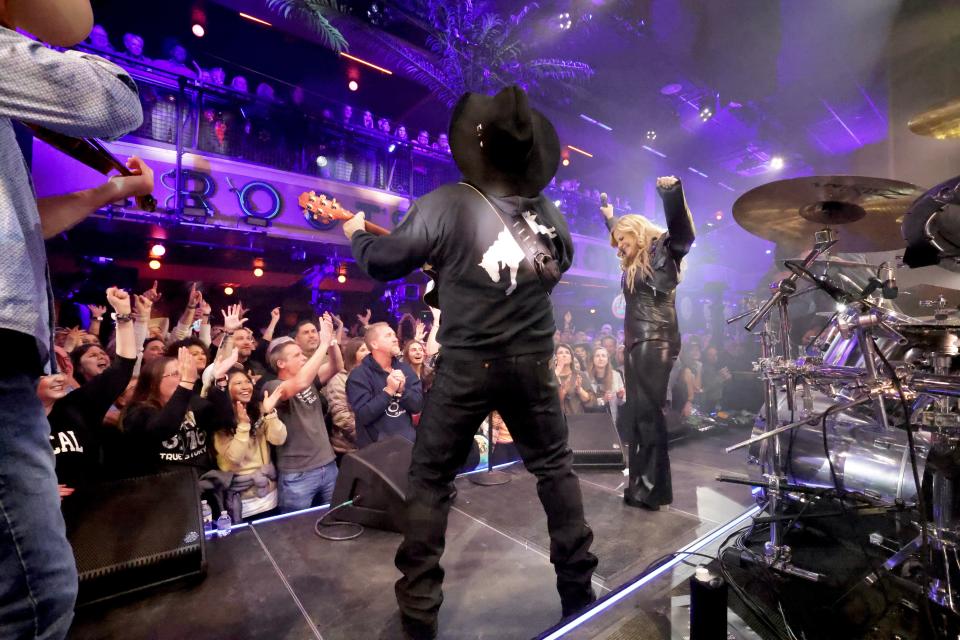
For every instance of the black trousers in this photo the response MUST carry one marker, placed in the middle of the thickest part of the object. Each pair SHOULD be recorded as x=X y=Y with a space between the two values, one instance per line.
x=524 y=391
x=641 y=421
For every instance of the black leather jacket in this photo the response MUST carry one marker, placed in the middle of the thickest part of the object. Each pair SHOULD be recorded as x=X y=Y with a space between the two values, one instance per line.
x=651 y=313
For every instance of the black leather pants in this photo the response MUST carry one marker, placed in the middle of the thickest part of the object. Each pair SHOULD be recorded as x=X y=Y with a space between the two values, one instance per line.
x=642 y=424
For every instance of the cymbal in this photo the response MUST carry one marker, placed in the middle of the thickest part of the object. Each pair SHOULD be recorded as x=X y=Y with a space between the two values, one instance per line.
x=940 y=121
x=909 y=299
x=789 y=212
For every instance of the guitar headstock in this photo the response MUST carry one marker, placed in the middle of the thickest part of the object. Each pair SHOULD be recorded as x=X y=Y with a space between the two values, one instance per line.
x=323 y=208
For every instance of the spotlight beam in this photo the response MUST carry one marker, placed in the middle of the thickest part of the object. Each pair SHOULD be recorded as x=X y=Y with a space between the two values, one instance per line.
x=364 y=62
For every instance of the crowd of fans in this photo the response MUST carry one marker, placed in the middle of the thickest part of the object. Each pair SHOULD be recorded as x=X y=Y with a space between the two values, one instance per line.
x=265 y=418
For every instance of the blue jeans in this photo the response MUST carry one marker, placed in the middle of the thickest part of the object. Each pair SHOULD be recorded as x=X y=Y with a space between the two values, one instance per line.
x=299 y=488
x=38 y=575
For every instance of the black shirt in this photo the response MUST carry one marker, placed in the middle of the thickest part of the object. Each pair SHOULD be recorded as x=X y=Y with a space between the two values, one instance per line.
x=76 y=424
x=492 y=301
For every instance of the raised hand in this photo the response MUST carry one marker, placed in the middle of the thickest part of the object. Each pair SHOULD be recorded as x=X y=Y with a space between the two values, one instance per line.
x=195 y=297
x=420 y=331
x=605 y=207
x=270 y=400
x=143 y=306
x=326 y=328
x=119 y=300
x=232 y=319
x=365 y=318
x=275 y=315
x=666 y=182
x=205 y=308
x=187 y=366
x=226 y=363
x=96 y=310
x=153 y=294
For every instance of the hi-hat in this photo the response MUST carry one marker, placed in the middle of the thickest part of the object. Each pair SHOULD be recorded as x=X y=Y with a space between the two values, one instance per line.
x=940 y=121
x=789 y=212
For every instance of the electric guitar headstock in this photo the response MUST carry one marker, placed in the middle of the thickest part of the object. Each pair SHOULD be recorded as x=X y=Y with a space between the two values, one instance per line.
x=323 y=208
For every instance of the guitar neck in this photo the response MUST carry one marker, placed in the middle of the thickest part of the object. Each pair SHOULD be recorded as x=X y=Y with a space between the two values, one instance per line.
x=375 y=229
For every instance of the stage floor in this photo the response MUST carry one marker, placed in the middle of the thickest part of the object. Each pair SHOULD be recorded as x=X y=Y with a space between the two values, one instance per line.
x=277 y=579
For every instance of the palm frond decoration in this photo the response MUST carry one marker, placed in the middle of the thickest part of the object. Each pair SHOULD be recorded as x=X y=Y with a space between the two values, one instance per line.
x=315 y=12
x=477 y=49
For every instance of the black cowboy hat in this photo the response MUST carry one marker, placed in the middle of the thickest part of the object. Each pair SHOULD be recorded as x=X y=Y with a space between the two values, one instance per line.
x=502 y=145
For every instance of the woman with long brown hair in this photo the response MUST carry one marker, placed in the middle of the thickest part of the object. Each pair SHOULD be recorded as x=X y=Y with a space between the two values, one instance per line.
x=650 y=258
x=343 y=432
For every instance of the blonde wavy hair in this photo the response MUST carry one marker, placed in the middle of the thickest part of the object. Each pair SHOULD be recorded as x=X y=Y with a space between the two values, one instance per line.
x=645 y=232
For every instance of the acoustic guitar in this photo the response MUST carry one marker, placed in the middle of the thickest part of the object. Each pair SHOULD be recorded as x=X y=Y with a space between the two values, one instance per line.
x=324 y=209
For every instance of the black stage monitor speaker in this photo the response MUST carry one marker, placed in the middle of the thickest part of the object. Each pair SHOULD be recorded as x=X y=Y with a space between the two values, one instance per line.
x=375 y=478
x=595 y=441
x=136 y=533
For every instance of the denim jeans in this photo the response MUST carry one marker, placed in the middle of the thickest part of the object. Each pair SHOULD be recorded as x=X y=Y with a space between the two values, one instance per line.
x=524 y=390
x=38 y=575
x=298 y=490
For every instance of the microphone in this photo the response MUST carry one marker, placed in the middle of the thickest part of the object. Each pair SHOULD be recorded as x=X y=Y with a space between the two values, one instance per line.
x=888 y=275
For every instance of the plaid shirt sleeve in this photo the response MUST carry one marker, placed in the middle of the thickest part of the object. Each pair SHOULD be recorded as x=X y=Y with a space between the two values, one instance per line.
x=74 y=93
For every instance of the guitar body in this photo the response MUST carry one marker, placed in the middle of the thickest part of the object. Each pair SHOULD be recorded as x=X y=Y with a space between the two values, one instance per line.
x=325 y=209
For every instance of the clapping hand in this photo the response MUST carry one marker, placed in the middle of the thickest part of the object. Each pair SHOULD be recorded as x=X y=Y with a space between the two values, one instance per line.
x=187 y=366
x=326 y=329
x=270 y=400
x=240 y=410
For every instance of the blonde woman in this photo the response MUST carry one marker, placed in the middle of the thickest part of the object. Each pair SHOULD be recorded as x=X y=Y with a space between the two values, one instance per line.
x=650 y=258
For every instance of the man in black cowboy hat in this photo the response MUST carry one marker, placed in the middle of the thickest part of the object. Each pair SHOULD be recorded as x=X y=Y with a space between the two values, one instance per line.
x=497 y=336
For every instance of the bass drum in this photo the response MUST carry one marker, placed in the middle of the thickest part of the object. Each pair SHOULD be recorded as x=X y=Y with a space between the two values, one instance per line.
x=867 y=458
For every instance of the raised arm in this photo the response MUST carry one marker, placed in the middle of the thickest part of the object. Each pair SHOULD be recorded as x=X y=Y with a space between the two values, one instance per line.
x=679 y=220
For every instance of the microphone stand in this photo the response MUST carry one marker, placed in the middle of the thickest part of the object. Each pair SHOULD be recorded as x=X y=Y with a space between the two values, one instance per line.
x=491 y=477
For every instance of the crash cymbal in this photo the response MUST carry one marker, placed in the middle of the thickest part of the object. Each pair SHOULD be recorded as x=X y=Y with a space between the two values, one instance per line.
x=916 y=300
x=940 y=121
x=866 y=210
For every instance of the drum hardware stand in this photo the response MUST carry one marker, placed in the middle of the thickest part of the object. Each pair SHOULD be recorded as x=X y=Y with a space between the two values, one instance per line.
x=777 y=555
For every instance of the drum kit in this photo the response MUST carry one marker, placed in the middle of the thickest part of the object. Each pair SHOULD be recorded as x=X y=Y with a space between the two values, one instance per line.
x=868 y=413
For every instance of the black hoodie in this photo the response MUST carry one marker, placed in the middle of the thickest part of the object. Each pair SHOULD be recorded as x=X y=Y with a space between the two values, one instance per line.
x=454 y=230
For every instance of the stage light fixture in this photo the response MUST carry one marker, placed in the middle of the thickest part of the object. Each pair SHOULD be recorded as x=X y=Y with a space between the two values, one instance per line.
x=257 y=272
x=558 y=202
x=154 y=264
x=321 y=161
x=718 y=215
x=767 y=252
x=706 y=113
x=157 y=251
x=198 y=20
x=776 y=163
x=258 y=265
x=593 y=311
x=228 y=290
x=353 y=85
x=566 y=162
x=651 y=135
x=341 y=272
